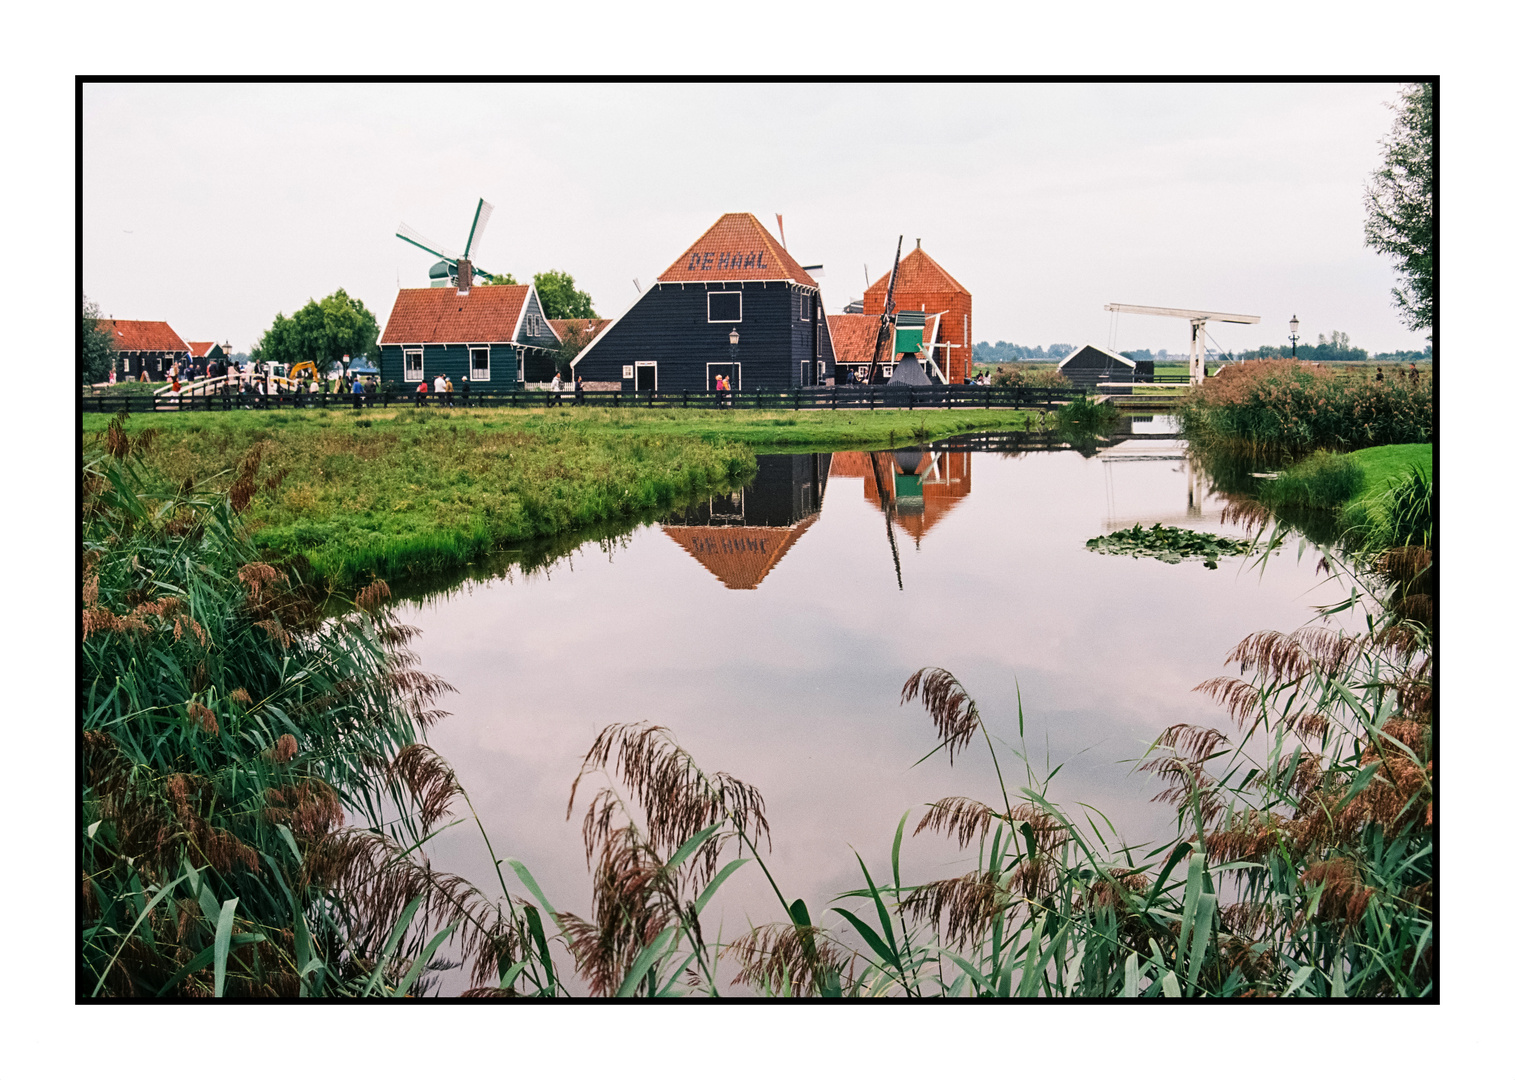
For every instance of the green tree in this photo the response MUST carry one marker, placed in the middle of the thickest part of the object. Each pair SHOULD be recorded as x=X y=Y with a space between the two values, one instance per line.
x=322 y=332
x=1400 y=201
x=97 y=350
x=499 y=279
x=560 y=300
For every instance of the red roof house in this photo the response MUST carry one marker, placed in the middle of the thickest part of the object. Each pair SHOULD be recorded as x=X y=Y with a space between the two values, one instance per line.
x=488 y=334
x=145 y=347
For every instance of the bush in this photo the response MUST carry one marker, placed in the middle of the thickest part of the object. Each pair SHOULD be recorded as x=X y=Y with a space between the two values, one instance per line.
x=1285 y=406
x=1040 y=378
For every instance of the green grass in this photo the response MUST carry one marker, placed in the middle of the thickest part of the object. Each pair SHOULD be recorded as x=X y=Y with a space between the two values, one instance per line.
x=1383 y=466
x=406 y=492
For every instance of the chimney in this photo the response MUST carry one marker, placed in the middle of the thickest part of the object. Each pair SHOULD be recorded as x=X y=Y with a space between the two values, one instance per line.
x=465 y=276
x=917 y=243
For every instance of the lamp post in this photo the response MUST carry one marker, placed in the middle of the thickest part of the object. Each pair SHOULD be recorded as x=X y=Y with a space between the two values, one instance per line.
x=1294 y=337
x=733 y=337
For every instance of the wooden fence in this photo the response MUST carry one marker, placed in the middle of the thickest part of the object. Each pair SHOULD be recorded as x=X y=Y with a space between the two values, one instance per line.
x=810 y=397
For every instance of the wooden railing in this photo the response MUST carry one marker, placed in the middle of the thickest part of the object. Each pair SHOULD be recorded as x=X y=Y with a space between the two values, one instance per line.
x=791 y=398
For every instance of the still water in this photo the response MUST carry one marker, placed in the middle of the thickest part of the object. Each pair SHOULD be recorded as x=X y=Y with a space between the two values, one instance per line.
x=771 y=631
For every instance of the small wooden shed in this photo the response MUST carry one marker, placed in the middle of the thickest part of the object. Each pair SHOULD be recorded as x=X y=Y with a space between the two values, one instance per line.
x=1092 y=365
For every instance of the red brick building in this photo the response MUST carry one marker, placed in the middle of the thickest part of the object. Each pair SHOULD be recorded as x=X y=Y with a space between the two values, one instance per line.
x=922 y=285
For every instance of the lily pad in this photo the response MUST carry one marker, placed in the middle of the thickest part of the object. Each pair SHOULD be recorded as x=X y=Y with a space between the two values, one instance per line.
x=1168 y=545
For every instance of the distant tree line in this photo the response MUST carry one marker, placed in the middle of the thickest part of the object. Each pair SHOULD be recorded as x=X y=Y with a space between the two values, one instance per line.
x=1005 y=352
x=1338 y=349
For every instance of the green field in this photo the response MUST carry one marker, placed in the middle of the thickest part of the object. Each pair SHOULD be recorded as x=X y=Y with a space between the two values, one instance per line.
x=404 y=492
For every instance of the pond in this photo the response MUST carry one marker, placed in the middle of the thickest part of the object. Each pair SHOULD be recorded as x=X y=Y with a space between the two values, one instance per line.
x=771 y=630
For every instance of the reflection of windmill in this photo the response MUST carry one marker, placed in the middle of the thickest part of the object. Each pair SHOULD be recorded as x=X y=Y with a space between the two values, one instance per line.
x=454 y=269
x=886 y=496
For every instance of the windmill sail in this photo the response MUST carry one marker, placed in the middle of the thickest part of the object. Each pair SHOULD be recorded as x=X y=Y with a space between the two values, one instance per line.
x=410 y=236
x=886 y=318
x=480 y=219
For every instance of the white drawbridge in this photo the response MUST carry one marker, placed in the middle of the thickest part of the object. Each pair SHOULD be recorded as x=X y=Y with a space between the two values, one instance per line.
x=1197 y=320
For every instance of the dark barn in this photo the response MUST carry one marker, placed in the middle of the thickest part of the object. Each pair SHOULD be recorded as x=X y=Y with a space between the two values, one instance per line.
x=735 y=304
x=145 y=346
x=488 y=334
x=1092 y=365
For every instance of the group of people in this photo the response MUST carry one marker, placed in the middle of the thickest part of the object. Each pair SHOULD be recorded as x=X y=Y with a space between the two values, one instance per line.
x=1412 y=374
x=439 y=390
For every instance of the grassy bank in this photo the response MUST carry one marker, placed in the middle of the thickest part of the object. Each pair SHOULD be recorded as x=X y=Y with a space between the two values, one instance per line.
x=406 y=492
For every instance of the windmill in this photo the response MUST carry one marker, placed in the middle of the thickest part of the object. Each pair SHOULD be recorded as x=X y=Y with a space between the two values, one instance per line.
x=887 y=318
x=454 y=269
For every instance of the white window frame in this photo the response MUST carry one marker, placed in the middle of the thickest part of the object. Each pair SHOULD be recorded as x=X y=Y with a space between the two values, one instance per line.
x=725 y=363
x=653 y=364
x=724 y=292
x=420 y=373
x=473 y=369
x=805 y=306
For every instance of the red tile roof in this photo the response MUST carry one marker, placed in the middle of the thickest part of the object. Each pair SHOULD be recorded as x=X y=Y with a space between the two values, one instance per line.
x=134 y=335
x=918 y=273
x=200 y=348
x=853 y=337
x=736 y=248
x=488 y=313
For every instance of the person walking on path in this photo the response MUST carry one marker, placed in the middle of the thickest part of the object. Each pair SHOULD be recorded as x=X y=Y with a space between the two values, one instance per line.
x=578 y=390
x=447 y=384
x=357 y=392
x=421 y=394
x=439 y=388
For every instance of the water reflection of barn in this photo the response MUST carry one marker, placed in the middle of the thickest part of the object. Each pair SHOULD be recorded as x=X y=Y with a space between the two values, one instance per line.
x=923 y=485
x=742 y=536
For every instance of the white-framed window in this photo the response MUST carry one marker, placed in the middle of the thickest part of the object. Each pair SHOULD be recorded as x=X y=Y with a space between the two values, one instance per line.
x=726 y=368
x=478 y=364
x=723 y=307
x=806 y=301
x=415 y=369
x=647 y=375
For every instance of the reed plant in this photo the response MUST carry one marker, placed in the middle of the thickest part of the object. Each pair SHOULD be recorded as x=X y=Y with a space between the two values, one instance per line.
x=1282 y=406
x=254 y=793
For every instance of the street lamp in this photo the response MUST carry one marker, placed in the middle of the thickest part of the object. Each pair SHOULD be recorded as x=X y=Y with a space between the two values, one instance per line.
x=733 y=337
x=1294 y=336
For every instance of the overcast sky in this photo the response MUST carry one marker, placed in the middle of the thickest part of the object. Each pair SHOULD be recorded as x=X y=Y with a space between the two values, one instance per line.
x=216 y=206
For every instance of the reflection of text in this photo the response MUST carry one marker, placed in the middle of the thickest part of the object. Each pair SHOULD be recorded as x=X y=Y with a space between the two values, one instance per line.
x=726 y=260
x=729 y=546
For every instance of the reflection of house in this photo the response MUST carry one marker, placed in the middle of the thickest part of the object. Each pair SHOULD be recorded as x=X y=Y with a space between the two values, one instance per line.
x=483 y=333
x=742 y=536
x=147 y=346
x=923 y=485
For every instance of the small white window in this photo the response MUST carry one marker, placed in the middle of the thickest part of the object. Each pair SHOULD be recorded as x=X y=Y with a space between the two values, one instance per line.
x=478 y=365
x=805 y=307
x=413 y=366
x=724 y=307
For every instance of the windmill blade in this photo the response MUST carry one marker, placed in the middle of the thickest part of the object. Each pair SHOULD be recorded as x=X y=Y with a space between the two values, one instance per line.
x=410 y=236
x=480 y=219
x=887 y=317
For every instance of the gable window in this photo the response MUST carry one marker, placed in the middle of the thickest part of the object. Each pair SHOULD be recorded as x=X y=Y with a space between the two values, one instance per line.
x=805 y=302
x=478 y=365
x=413 y=366
x=723 y=307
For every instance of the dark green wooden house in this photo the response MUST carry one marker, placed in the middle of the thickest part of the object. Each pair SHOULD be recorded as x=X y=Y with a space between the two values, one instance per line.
x=488 y=334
